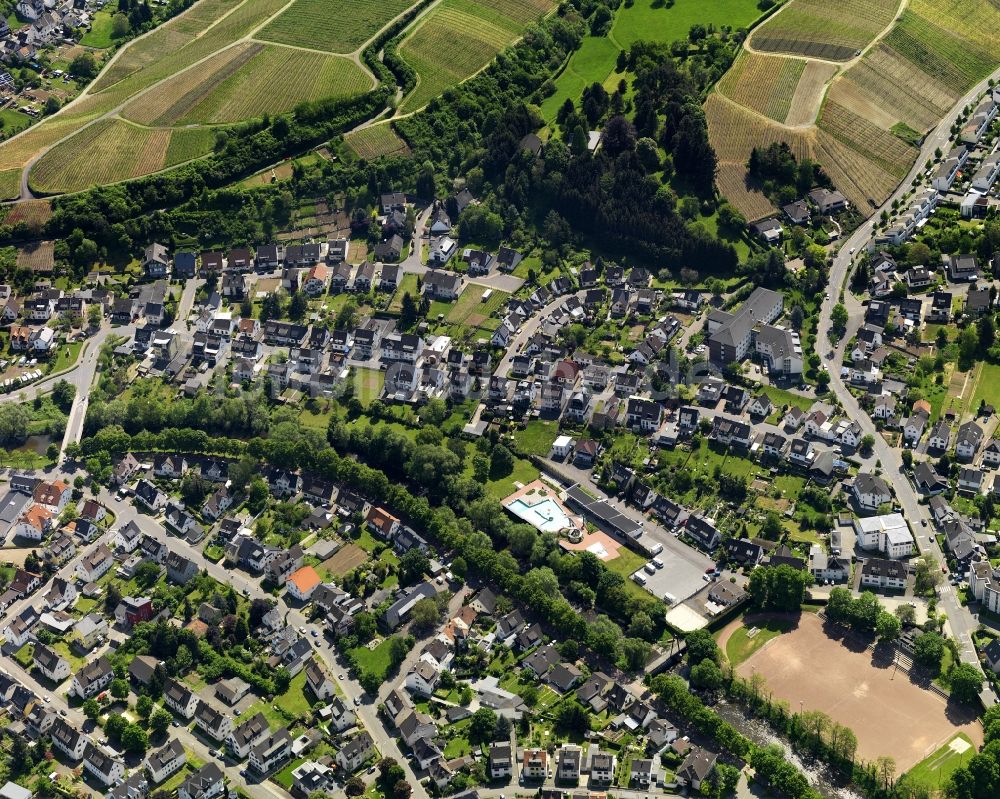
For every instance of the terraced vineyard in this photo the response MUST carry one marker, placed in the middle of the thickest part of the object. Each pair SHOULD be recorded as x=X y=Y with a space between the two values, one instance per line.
x=932 y=55
x=10 y=183
x=821 y=29
x=734 y=132
x=312 y=23
x=248 y=80
x=277 y=79
x=116 y=150
x=888 y=151
x=376 y=140
x=457 y=38
x=763 y=83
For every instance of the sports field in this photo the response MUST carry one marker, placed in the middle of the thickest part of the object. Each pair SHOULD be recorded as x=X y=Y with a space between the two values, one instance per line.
x=889 y=714
x=820 y=29
x=314 y=24
x=457 y=38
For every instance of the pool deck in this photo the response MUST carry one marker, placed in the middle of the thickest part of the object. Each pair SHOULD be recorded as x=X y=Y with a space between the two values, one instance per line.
x=537 y=493
x=601 y=544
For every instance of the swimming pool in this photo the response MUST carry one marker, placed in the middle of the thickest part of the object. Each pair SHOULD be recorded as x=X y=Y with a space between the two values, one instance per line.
x=544 y=514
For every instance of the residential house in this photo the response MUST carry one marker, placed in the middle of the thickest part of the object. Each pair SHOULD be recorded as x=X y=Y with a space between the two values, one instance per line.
x=870 y=491
x=165 y=761
x=180 y=698
x=355 y=752
x=696 y=767
x=92 y=678
x=206 y=783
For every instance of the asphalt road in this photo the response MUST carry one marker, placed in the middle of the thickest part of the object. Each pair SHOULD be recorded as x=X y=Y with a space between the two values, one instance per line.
x=961 y=622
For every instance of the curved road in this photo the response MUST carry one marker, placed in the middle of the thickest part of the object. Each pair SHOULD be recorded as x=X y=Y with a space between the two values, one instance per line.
x=960 y=620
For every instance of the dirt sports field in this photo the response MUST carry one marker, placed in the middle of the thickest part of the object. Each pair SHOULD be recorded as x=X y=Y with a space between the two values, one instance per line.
x=888 y=713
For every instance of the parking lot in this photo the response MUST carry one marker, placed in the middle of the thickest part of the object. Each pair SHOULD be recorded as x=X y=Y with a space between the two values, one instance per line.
x=683 y=567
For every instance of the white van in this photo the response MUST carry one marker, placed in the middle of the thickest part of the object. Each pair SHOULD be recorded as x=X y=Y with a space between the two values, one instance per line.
x=669 y=598
x=656 y=549
x=658 y=563
x=650 y=568
x=640 y=578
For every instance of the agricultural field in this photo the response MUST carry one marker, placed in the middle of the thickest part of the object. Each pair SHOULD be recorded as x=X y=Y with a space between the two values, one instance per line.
x=273 y=79
x=33 y=213
x=10 y=184
x=310 y=23
x=170 y=37
x=857 y=176
x=116 y=150
x=875 y=109
x=889 y=152
x=808 y=94
x=152 y=82
x=886 y=88
x=734 y=132
x=188 y=143
x=457 y=38
x=15 y=151
x=376 y=140
x=819 y=29
x=763 y=83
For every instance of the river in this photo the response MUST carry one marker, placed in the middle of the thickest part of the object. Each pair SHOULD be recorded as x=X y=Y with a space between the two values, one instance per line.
x=761 y=734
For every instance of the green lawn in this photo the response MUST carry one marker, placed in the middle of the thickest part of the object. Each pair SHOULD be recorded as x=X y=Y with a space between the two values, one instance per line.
x=292 y=704
x=284 y=777
x=99 y=35
x=648 y=20
x=934 y=770
x=740 y=646
x=75 y=661
x=988 y=387
x=84 y=605
x=25 y=655
x=214 y=553
x=296 y=700
x=317 y=421
x=537 y=437
x=626 y=564
x=374 y=660
x=524 y=472
x=587 y=65
x=13 y=121
x=368 y=384
x=407 y=284
x=67 y=355
x=781 y=397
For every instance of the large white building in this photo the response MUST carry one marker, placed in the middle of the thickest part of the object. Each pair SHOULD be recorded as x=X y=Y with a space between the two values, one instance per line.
x=984 y=584
x=888 y=533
